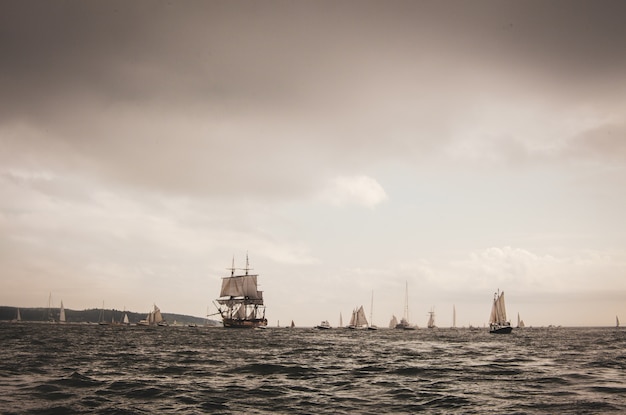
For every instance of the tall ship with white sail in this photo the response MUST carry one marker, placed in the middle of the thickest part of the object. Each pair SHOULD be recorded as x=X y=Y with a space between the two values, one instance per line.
x=358 y=320
x=498 y=323
x=241 y=303
x=154 y=318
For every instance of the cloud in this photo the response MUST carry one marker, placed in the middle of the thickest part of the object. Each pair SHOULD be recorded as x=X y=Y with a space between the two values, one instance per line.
x=354 y=190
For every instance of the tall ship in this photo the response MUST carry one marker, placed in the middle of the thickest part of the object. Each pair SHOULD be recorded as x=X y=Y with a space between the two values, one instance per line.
x=498 y=323
x=241 y=303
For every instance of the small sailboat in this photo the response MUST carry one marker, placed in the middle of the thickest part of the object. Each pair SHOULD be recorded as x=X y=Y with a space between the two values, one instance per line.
x=431 y=319
x=404 y=322
x=125 y=320
x=358 y=319
x=62 y=313
x=293 y=325
x=154 y=318
x=453 y=317
x=393 y=322
x=340 y=320
x=372 y=326
x=520 y=322
x=101 y=320
x=498 y=324
x=616 y=321
x=324 y=325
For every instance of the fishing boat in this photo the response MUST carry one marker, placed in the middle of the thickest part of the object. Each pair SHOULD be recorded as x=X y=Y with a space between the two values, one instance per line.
x=498 y=324
x=404 y=322
x=358 y=319
x=431 y=319
x=324 y=325
x=154 y=318
x=241 y=303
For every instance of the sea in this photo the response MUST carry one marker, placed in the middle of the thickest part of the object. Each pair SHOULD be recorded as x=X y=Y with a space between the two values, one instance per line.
x=92 y=369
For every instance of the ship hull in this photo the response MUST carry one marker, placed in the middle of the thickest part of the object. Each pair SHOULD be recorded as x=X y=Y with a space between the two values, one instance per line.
x=233 y=323
x=500 y=329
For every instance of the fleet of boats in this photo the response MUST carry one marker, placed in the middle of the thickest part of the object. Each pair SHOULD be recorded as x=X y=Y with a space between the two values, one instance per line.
x=241 y=305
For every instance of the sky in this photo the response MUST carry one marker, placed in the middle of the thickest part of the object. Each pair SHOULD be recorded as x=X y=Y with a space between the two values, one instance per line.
x=349 y=148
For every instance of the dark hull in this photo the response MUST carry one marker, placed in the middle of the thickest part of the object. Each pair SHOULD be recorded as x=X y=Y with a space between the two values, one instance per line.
x=501 y=330
x=233 y=323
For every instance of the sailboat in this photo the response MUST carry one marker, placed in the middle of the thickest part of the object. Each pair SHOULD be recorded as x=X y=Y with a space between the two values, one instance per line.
x=358 y=319
x=431 y=319
x=498 y=323
x=520 y=322
x=371 y=325
x=340 y=320
x=101 y=317
x=453 y=317
x=616 y=320
x=125 y=320
x=241 y=303
x=154 y=318
x=404 y=322
x=62 y=313
x=393 y=322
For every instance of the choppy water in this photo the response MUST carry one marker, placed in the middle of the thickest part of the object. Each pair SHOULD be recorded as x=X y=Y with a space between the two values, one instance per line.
x=62 y=369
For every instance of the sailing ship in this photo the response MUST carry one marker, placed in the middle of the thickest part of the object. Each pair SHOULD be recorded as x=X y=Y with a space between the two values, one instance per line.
x=404 y=322
x=498 y=323
x=520 y=322
x=241 y=303
x=431 y=319
x=358 y=319
x=154 y=318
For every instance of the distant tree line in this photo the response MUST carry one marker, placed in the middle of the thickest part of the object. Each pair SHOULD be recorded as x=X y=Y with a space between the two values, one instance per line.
x=93 y=315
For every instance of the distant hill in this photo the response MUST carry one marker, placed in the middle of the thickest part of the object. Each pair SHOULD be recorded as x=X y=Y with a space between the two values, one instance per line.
x=93 y=316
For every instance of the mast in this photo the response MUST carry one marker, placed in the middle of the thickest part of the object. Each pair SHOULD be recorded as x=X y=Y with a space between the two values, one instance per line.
x=372 y=310
x=406 y=301
x=453 y=316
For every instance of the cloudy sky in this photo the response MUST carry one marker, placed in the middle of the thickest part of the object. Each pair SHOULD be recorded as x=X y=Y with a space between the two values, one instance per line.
x=349 y=147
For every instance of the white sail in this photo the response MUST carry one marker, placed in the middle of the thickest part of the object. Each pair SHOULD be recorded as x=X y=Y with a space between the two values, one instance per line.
x=393 y=323
x=498 y=310
x=361 y=320
x=616 y=321
x=125 y=320
x=62 y=313
x=431 y=319
x=340 y=320
x=157 y=317
x=19 y=316
x=241 y=286
x=453 y=316
x=352 y=319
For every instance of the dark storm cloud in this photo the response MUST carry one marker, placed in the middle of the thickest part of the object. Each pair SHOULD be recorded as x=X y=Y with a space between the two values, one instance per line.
x=255 y=95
